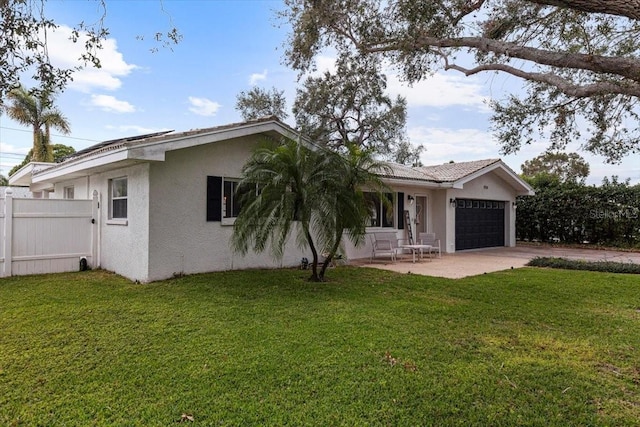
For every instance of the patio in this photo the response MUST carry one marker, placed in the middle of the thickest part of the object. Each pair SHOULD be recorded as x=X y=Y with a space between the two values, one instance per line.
x=480 y=261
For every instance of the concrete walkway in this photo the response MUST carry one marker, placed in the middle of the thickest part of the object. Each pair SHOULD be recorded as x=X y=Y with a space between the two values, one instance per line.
x=474 y=262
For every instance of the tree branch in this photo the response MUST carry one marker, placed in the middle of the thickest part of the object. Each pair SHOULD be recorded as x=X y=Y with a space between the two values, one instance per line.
x=628 y=8
x=620 y=66
x=565 y=86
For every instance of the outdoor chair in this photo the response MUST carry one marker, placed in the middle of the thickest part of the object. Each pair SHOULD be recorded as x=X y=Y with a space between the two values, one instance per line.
x=384 y=244
x=430 y=240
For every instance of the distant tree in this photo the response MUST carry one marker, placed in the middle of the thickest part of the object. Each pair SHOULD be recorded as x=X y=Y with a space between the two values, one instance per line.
x=579 y=59
x=350 y=107
x=60 y=151
x=3 y=181
x=260 y=102
x=36 y=109
x=567 y=167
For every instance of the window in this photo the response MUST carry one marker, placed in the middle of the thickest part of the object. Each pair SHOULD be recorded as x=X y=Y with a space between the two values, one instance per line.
x=381 y=210
x=118 y=198
x=68 y=192
x=230 y=202
x=223 y=198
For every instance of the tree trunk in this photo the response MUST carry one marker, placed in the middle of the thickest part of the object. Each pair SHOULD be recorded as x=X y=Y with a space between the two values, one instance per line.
x=628 y=8
x=314 y=265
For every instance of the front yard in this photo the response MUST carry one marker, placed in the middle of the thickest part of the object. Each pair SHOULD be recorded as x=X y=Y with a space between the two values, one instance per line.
x=529 y=346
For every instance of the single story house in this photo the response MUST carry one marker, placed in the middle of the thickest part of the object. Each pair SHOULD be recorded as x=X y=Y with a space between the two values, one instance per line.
x=166 y=200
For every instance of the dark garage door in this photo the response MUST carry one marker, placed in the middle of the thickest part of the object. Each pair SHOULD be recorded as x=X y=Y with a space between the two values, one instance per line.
x=479 y=224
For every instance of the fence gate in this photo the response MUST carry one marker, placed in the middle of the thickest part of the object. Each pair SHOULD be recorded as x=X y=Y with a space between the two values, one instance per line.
x=46 y=235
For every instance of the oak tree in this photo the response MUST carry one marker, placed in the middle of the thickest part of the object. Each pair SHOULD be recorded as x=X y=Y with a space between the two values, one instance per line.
x=259 y=102
x=578 y=59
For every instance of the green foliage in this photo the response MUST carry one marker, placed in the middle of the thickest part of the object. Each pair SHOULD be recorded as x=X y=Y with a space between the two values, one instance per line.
x=23 y=48
x=572 y=264
x=350 y=107
x=566 y=166
x=578 y=60
x=259 y=102
x=575 y=213
x=35 y=109
x=289 y=187
x=60 y=151
x=522 y=347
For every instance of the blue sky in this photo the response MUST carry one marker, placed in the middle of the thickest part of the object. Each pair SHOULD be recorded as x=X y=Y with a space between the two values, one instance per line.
x=228 y=47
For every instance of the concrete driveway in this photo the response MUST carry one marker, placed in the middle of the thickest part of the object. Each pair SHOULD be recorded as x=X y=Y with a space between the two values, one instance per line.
x=474 y=262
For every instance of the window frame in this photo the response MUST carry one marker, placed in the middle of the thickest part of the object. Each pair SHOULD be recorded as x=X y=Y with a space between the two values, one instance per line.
x=382 y=215
x=66 y=190
x=113 y=219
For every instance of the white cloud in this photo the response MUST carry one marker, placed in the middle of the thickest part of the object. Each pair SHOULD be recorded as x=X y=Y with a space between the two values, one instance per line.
x=440 y=90
x=443 y=144
x=111 y=104
x=64 y=53
x=257 y=77
x=203 y=106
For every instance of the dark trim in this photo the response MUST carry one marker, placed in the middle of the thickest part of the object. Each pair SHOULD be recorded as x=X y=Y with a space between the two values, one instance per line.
x=214 y=198
x=400 y=211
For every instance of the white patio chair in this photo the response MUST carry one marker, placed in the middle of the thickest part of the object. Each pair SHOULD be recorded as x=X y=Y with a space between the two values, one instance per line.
x=430 y=239
x=384 y=244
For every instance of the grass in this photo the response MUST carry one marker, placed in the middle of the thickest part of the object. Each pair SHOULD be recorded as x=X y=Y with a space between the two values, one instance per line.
x=521 y=347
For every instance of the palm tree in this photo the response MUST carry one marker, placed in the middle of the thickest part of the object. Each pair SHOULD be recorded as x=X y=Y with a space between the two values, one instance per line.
x=37 y=110
x=314 y=191
x=352 y=173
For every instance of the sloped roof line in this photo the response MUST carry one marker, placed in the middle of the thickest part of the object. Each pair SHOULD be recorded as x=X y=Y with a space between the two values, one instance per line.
x=116 y=144
x=443 y=173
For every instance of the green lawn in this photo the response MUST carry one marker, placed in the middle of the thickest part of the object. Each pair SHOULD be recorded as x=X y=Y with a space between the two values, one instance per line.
x=523 y=347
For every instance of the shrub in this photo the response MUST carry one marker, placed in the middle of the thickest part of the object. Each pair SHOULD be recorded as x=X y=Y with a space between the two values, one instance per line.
x=571 y=264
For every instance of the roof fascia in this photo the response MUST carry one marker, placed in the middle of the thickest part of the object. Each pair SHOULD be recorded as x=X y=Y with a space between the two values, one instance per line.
x=23 y=176
x=415 y=182
x=83 y=165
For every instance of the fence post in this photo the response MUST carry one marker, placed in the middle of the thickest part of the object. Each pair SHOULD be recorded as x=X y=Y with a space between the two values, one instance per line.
x=8 y=231
x=95 y=220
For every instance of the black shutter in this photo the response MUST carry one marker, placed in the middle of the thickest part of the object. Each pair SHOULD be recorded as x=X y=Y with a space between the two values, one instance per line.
x=400 y=211
x=214 y=198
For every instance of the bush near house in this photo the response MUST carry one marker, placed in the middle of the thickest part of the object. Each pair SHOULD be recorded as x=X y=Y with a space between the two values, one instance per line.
x=520 y=347
x=575 y=213
x=572 y=264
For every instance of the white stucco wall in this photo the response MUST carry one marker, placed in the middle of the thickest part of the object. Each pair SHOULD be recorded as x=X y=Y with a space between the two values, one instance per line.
x=124 y=248
x=80 y=186
x=181 y=240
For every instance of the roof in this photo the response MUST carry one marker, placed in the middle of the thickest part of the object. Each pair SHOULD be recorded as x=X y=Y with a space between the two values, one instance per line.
x=157 y=137
x=447 y=172
x=152 y=147
x=455 y=175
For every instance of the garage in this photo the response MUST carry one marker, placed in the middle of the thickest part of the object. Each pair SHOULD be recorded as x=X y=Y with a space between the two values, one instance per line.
x=479 y=224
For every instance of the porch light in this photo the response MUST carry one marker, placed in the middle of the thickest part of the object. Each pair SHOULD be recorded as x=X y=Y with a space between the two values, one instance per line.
x=452 y=202
x=410 y=198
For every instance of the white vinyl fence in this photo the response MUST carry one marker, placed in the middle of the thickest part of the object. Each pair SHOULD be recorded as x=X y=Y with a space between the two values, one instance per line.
x=46 y=235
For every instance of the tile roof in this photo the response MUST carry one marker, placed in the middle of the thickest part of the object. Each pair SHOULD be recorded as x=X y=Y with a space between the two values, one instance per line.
x=448 y=172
